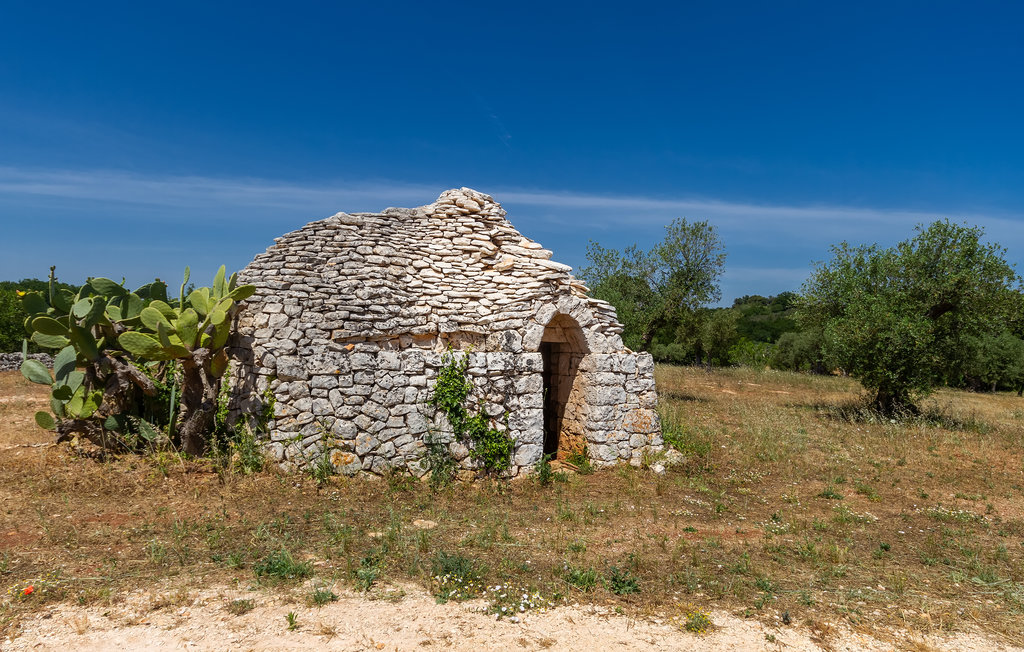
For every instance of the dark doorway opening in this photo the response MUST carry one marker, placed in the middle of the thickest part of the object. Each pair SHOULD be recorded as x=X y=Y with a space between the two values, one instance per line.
x=562 y=348
x=552 y=416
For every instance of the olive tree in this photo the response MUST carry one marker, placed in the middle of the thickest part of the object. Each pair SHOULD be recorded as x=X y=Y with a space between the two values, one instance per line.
x=901 y=319
x=656 y=289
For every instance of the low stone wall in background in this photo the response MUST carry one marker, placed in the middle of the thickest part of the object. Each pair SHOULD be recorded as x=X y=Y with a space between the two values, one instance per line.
x=12 y=361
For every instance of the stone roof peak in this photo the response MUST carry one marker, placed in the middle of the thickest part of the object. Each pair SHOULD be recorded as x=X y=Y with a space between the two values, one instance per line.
x=465 y=201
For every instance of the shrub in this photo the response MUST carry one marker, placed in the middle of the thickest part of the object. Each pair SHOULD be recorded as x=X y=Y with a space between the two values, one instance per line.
x=621 y=581
x=281 y=565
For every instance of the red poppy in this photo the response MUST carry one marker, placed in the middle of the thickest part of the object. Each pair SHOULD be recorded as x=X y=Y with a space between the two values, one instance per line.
x=28 y=590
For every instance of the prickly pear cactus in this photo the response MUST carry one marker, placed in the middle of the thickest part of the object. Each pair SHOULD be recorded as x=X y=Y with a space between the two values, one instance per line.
x=121 y=352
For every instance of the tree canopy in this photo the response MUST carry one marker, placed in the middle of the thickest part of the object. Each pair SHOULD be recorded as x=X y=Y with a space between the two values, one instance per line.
x=903 y=319
x=655 y=289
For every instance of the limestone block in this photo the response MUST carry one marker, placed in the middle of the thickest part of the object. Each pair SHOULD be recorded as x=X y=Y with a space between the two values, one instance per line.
x=534 y=400
x=412 y=362
x=345 y=463
x=417 y=423
x=344 y=429
x=411 y=449
x=532 y=337
x=640 y=421
x=363 y=378
x=458 y=450
x=645 y=364
x=528 y=454
x=529 y=384
x=402 y=440
x=494 y=410
x=322 y=407
x=527 y=419
x=638 y=441
x=291 y=368
x=599 y=362
x=389 y=360
x=604 y=395
x=395 y=397
x=303 y=404
x=375 y=411
x=628 y=363
x=380 y=465
x=275 y=451
x=636 y=386
x=602 y=452
x=365 y=443
x=599 y=413
x=529 y=363
x=606 y=378
x=362 y=361
x=282 y=409
x=336 y=397
x=297 y=390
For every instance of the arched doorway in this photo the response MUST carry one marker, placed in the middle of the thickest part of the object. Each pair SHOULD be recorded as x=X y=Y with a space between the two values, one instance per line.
x=562 y=348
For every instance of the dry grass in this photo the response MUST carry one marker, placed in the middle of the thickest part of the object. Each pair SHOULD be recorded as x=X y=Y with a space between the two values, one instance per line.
x=19 y=401
x=790 y=501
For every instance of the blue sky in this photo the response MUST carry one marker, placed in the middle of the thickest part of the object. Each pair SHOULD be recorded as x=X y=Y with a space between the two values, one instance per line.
x=136 y=138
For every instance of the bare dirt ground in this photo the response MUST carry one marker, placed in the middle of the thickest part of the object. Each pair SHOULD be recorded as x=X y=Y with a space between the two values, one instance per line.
x=866 y=535
x=149 y=620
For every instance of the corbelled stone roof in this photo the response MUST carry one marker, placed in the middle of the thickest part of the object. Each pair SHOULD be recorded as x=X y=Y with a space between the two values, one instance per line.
x=456 y=265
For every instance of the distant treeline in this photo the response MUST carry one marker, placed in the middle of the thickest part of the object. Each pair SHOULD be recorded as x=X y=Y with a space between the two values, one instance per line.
x=12 y=315
x=940 y=308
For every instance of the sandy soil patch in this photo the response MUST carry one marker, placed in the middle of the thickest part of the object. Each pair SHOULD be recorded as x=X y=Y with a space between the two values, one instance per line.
x=410 y=620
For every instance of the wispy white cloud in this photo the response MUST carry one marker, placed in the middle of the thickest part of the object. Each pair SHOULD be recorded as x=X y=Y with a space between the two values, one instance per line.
x=739 y=221
x=196 y=191
x=770 y=246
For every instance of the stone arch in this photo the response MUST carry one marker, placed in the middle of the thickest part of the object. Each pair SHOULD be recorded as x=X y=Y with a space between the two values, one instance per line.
x=563 y=347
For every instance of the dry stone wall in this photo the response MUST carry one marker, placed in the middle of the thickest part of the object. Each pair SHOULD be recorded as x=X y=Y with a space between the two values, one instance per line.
x=353 y=315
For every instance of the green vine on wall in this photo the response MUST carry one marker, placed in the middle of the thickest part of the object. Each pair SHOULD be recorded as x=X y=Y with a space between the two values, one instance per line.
x=491 y=447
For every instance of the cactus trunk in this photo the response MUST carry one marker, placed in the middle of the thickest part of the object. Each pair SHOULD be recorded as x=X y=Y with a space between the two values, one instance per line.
x=198 y=402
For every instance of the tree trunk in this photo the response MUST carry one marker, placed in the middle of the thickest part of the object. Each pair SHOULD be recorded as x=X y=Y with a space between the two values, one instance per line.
x=894 y=404
x=198 y=402
x=86 y=428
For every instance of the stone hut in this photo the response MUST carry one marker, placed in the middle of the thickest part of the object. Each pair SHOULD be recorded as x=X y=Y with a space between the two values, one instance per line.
x=353 y=316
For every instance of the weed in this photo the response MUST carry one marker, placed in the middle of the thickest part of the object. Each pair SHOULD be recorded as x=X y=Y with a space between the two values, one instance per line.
x=830 y=493
x=867 y=491
x=698 y=621
x=579 y=459
x=370 y=568
x=695 y=444
x=321 y=596
x=281 y=565
x=621 y=581
x=508 y=600
x=247 y=456
x=293 y=621
x=241 y=606
x=439 y=461
x=544 y=473
x=584 y=579
x=455 y=577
